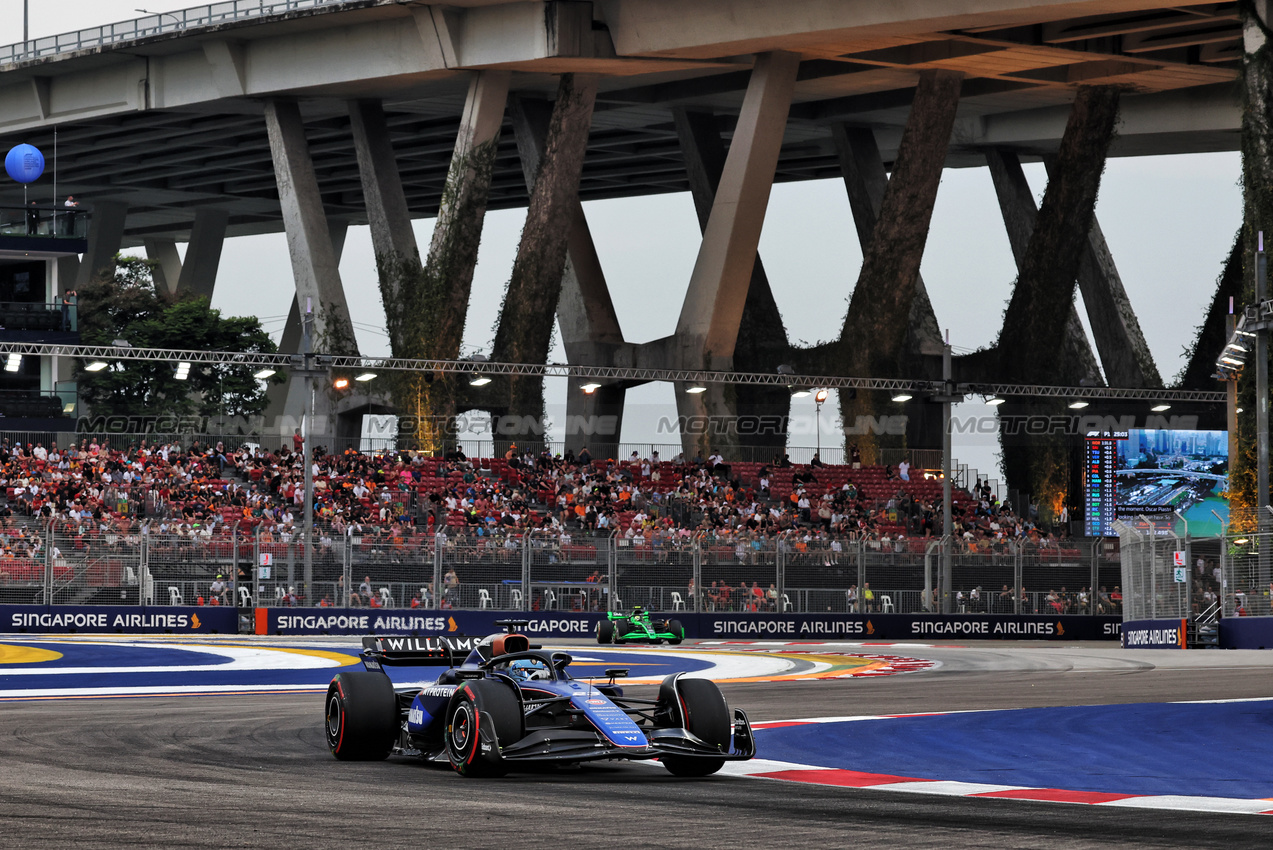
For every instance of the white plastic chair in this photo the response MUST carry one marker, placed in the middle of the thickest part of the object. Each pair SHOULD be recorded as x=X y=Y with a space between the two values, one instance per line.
x=484 y=598
x=174 y=595
x=677 y=602
x=130 y=577
x=385 y=597
x=550 y=600
x=245 y=598
x=786 y=603
x=516 y=598
x=886 y=603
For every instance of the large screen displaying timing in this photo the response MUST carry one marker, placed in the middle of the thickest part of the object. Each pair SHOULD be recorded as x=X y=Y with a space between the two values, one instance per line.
x=1182 y=472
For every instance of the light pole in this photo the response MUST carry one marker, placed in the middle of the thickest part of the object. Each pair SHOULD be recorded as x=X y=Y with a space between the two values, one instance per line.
x=818 y=398
x=160 y=15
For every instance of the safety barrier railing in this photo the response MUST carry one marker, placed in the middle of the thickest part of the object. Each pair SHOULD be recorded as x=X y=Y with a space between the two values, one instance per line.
x=154 y=24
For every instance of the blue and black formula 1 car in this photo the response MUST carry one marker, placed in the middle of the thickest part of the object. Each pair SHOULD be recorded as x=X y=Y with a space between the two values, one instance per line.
x=509 y=703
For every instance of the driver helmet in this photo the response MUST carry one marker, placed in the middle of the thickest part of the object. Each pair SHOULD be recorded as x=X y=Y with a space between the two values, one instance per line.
x=526 y=669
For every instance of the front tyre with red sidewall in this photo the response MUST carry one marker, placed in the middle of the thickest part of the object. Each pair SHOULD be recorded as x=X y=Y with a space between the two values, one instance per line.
x=702 y=709
x=483 y=716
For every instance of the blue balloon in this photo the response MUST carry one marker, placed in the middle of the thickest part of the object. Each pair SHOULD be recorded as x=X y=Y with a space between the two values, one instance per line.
x=24 y=163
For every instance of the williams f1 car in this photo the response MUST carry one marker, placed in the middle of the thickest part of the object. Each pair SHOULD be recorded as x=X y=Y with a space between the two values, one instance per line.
x=637 y=627
x=509 y=703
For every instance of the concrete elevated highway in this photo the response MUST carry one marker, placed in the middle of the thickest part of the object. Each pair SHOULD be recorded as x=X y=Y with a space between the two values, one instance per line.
x=307 y=117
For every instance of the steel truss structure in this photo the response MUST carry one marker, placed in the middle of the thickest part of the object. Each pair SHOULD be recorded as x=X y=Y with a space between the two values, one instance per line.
x=615 y=374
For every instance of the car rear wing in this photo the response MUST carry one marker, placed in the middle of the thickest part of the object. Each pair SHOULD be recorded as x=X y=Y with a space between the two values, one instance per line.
x=416 y=651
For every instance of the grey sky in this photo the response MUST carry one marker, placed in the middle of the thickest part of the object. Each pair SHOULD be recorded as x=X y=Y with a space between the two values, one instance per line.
x=1169 y=222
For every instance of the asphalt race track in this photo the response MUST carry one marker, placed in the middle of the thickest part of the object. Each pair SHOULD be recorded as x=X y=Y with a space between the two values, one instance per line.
x=253 y=770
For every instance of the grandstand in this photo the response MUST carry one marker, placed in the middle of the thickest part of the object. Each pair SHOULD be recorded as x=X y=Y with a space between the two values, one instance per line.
x=90 y=525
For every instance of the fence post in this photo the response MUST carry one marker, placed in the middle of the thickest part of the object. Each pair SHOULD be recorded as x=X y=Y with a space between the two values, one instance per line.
x=612 y=567
x=860 y=605
x=780 y=569
x=928 y=574
x=144 y=581
x=234 y=564
x=256 y=568
x=696 y=570
x=47 y=593
x=1018 y=570
x=439 y=540
x=527 y=543
x=1096 y=575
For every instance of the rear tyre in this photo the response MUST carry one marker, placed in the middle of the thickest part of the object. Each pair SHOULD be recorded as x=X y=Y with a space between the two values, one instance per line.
x=705 y=714
x=483 y=715
x=605 y=631
x=675 y=628
x=361 y=717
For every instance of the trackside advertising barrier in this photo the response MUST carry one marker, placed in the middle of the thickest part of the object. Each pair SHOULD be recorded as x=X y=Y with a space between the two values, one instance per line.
x=906 y=627
x=1155 y=634
x=79 y=619
x=1246 y=633
x=361 y=621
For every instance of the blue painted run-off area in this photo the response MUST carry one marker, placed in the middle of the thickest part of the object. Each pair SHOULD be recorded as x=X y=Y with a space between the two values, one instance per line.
x=1210 y=750
x=116 y=666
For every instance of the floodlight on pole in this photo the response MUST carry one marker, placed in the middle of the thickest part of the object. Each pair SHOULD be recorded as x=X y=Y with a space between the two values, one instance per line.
x=263 y=374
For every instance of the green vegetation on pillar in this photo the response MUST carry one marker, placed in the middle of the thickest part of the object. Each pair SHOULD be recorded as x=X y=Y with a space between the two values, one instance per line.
x=1032 y=344
x=426 y=304
x=528 y=314
x=873 y=341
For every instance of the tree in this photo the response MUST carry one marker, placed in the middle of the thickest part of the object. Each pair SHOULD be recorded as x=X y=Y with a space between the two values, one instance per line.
x=128 y=306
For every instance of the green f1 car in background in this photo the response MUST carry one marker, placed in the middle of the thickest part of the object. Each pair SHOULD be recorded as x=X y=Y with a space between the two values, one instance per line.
x=637 y=627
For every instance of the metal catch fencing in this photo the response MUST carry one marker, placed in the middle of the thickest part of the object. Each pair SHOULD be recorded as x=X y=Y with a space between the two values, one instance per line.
x=1152 y=586
x=91 y=563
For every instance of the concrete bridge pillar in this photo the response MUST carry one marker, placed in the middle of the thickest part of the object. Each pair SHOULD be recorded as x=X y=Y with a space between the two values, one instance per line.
x=865 y=181
x=105 y=235
x=1032 y=343
x=1016 y=202
x=287 y=401
x=198 y=273
x=590 y=330
x=874 y=339
x=707 y=331
x=426 y=304
x=534 y=289
x=761 y=343
x=314 y=266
